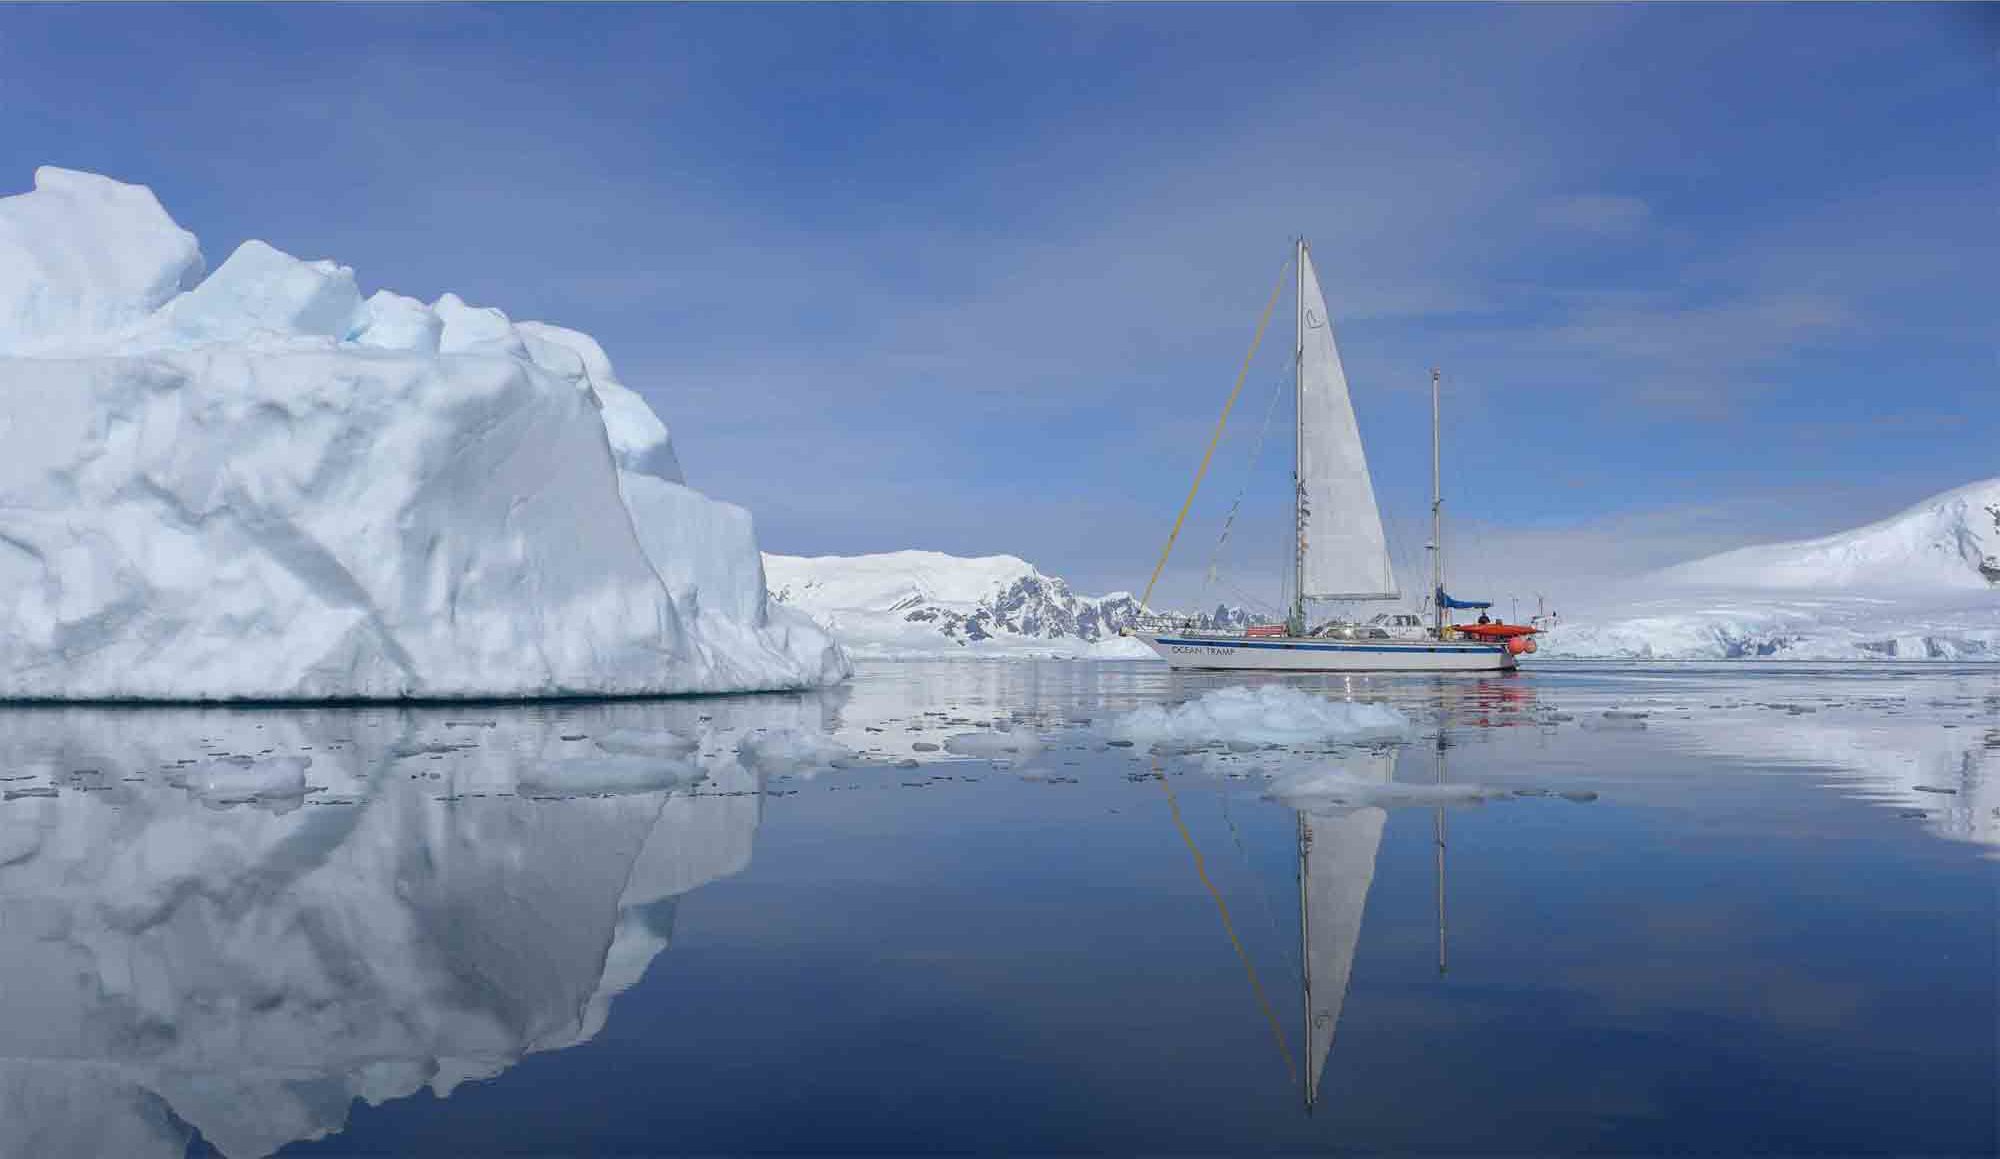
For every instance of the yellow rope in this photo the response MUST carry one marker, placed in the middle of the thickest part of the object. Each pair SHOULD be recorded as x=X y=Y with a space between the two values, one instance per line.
x=1228 y=927
x=1215 y=438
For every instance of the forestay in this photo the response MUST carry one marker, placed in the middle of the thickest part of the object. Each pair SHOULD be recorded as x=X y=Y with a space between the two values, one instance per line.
x=1343 y=553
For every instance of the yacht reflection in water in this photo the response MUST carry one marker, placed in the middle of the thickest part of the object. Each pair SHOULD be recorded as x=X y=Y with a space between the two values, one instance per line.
x=199 y=930
x=1341 y=800
x=1931 y=754
x=1337 y=851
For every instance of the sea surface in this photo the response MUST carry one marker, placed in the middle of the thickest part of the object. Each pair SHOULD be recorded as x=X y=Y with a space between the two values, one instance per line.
x=971 y=906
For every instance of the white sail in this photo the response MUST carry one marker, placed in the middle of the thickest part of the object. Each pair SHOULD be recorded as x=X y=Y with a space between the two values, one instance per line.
x=1343 y=554
x=1339 y=866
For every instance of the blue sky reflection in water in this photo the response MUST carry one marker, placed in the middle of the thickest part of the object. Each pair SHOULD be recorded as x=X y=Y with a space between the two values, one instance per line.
x=1771 y=927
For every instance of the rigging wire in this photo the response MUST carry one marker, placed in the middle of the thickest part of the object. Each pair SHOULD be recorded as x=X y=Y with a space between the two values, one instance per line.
x=1228 y=926
x=1262 y=894
x=1146 y=599
x=1256 y=452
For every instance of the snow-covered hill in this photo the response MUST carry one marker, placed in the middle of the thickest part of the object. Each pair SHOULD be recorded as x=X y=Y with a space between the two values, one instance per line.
x=258 y=485
x=1913 y=586
x=911 y=603
x=1937 y=545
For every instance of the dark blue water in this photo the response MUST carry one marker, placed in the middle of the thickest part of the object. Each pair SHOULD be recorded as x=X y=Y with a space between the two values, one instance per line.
x=1763 y=918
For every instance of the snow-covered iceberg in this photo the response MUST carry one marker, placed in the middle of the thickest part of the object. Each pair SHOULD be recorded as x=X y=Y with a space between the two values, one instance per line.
x=260 y=485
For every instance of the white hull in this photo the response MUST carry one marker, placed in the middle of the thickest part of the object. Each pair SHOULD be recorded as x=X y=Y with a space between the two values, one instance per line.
x=1293 y=654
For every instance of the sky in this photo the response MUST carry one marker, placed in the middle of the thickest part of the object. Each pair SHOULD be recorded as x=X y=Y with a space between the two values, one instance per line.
x=979 y=278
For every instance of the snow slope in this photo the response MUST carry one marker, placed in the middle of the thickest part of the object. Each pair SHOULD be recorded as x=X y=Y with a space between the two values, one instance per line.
x=1907 y=587
x=927 y=603
x=1937 y=545
x=259 y=485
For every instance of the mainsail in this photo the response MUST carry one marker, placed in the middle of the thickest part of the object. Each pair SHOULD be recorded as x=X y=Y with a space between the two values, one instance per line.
x=1341 y=548
x=1337 y=859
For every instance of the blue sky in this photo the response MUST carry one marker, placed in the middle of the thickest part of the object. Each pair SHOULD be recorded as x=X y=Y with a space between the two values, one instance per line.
x=978 y=278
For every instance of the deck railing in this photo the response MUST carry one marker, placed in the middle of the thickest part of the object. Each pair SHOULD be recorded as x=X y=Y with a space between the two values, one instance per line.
x=1200 y=626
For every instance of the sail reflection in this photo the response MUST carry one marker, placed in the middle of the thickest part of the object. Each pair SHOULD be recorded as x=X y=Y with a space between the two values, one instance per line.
x=1338 y=846
x=1336 y=868
x=439 y=898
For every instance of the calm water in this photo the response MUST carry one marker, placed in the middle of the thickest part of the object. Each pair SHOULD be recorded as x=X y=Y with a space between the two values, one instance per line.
x=1713 y=908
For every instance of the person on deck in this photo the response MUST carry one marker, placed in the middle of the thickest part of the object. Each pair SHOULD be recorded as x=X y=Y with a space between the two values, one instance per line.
x=1484 y=618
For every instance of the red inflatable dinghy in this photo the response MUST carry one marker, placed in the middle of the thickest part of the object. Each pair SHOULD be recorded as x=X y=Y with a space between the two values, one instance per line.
x=1495 y=631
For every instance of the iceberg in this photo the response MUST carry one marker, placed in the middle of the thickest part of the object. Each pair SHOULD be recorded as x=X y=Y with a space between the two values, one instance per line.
x=261 y=485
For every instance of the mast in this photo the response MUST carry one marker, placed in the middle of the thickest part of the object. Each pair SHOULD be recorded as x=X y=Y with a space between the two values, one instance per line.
x=1298 y=618
x=1437 y=520
x=1305 y=951
x=1438 y=838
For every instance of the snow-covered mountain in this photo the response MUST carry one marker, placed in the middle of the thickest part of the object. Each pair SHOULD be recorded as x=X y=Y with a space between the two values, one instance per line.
x=258 y=485
x=1907 y=587
x=1941 y=544
x=926 y=603
x=1922 y=584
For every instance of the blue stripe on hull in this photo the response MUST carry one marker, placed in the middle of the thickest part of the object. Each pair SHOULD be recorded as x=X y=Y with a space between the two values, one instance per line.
x=1335 y=646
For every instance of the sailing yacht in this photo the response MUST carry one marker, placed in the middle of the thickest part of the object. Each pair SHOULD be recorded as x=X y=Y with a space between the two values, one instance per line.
x=1341 y=553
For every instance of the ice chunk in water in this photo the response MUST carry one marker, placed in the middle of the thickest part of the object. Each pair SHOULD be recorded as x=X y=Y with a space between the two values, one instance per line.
x=993 y=745
x=227 y=782
x=786 y=750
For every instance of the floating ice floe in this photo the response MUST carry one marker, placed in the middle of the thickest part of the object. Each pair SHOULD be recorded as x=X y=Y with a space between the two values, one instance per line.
x=232 y=781
x=790 y=750
x=1265 y=714
x=994 y=745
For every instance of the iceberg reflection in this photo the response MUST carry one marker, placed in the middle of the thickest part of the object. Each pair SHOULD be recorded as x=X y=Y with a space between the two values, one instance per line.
x=191 y=939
